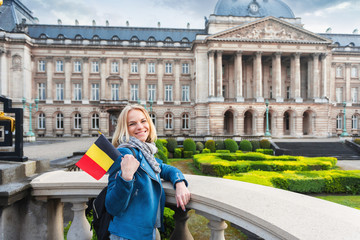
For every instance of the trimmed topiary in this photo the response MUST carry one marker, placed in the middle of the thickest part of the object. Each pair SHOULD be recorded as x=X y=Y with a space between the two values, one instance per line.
x=177 y=153
x=231 y=145
x=159 y=144
x=199 y=146
x=210 y=144
x=206 y=150
x=219 y=145
x=171 y=144
x=189 y=145
x=245 y=146
x=164 y=142
x=161 y=155
x=188 y=154
x=223 y=151
x=265 y=144
x=255 y=145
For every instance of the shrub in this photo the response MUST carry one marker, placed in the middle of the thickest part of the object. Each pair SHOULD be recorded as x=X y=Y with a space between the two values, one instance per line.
x=245 y=146
x=255 y=145
x=206 y=150
x=171 y=144
x=199 y=146
x=265 y=151
x=357 y=141
x=177 y=153
x=164 y=142
x=231 y=145
x=223 y=151
x=219 y=145
x=265 y=144
x=189 y=145
x=188 y=154
x=161 y=155
x=159 y=144
x=169 y=223
x=210 y=144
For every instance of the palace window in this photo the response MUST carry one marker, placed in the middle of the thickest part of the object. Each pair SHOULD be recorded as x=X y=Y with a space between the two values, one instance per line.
x=151 y=41
x=168 y=121
x=288 y=95
x=41 y=121
x=354 y=95
x=151 y=92
x=134 y=67
x=185 y=93
x=41 y=91
x=355 y=122
x=134 y=41
x=96 y=39
x=153 y=118
x=354 y=72
x=185 y=121
x=134 y=92
x=114 y=67
x=77 y=67
x=115 y=92
x=77 y=92
x=61 y=37
x=339 y=95
x=77 y=121
x=339 y=71
x=339 y=123
x=168 y=93
x=95 y=67
x=95 y=120
x=185 y=42
x=185 y=68
x=59 y=91
x=95 y=92
x=59 y=121
x=271 y=92
x=168 y=68
x=41 y=65
x=151 y=67
x=169 y=42
x=59 y=66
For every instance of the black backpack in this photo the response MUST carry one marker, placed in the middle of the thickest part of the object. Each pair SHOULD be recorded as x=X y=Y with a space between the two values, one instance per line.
x=101 y=218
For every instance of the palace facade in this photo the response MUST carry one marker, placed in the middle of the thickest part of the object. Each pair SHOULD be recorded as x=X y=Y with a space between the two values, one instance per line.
x=252 y=56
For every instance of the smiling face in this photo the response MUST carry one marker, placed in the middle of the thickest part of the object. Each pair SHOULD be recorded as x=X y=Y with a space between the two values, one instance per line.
x=137 y=125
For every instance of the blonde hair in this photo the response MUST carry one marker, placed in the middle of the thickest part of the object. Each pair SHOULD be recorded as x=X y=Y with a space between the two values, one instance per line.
x=121 y=130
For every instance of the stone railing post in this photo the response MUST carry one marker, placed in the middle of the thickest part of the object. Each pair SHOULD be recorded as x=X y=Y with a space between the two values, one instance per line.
x=80 y=227
x=216 y=225
x=181 y=231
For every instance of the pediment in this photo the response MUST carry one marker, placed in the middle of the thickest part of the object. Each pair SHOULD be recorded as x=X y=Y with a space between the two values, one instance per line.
x=114 y=77
x=269 y=29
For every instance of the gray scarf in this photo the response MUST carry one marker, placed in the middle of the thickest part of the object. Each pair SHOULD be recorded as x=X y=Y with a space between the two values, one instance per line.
x=147 y=149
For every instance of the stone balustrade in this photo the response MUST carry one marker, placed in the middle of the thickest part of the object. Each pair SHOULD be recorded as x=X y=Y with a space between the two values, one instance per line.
x=268 y=212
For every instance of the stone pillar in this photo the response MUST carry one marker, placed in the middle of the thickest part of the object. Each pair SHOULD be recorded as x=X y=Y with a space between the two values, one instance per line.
x=332 y=95
x=316 y=81
x=277 y=85
x=67 y=126
x=160 y=87
x=181 y=230
x=297 y=78
x=3 y=73
x=258 y=77
x=219 y=71
x=211 y=74
x=55 y=220
x=347 y=93
x=85 y=87
x=125 y=65
x=67 y=87
x=80 y=227
x=177 y=90
x=324 y=75
x=103 y=74
x=239 y=77
x=142 y=96
x=49 y=81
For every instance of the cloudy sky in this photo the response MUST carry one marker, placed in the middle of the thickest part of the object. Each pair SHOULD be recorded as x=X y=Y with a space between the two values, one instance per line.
x=317 y=15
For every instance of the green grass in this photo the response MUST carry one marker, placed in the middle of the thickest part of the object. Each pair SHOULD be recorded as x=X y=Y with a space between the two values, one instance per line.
x=352 y=201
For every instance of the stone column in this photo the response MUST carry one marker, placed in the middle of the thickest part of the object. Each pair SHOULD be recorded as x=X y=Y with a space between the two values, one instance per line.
x=332 y=95
x=3 y=73
x=315 y=82
x=277 y=85
x=103 y=74
x=160 y=87
x=177 y=90
x=239 y=77
x=142 y=96
x=324 y=75
x=219 y=71
x=49 y=82
x=181 y=230
x=80 y=227
x=211 y=74
x=67 y=87
x=347 y=83
x=55 y=219
x=125 y=71
x=85 y=87
x=258 y=77
x=297 y=78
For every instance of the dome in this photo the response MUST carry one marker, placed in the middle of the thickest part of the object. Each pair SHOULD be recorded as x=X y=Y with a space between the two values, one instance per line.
x=253 y=8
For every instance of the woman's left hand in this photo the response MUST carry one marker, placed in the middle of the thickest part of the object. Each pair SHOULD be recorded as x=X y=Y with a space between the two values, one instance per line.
x=182 y=195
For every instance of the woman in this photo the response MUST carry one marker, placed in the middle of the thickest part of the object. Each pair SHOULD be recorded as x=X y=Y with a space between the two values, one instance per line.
x=135 y=196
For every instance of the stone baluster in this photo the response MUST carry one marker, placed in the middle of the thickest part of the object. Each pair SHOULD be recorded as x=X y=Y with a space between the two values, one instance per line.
x=80 y=227
x=181 y=231
x=216 y=225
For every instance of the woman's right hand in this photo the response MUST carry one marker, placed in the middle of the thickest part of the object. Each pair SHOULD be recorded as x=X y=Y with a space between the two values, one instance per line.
x=129 y=166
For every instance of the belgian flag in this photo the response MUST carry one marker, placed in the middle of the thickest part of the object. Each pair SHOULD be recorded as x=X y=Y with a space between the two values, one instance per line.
x=98 y=158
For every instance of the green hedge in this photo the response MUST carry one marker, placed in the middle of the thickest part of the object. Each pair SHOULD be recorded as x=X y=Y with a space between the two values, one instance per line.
x=264 y=143
x=223 y=151
x=210 y=144
x=199 y=146
x=265 y=151
x=245 y=146
x=178 y=153
x=205 y=150
x=231 y=145
x=188 y=154
x=171 y=144
x=332 y=181
x=219 y=145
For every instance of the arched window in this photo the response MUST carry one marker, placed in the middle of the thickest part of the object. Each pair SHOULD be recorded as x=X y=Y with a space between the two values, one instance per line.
x=134 y=41
x=78 y=39
x=153 y=118
x=185 y=42
x=151 y=41
x=169 y=42
x=95 y=121
x=59 y=121
x=43 y=36
x=168 y=121
x=41 y=121
x=185 y=121
x=339 y=122
x=355 y=122
x=77 y=121
x=60 y=36
x=95 y=39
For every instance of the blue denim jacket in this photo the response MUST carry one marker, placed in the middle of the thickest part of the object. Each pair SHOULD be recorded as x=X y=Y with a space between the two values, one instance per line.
x=134 y=203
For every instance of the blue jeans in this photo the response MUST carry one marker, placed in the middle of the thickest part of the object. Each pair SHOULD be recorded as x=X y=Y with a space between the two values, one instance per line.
x=114 y=237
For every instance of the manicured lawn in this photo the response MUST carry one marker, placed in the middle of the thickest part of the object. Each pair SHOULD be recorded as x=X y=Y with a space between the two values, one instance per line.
x=347 y=200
